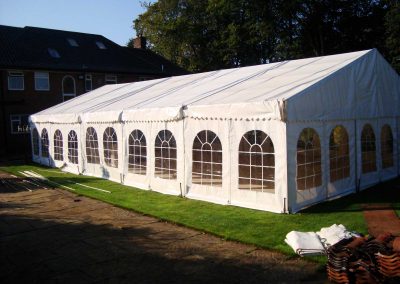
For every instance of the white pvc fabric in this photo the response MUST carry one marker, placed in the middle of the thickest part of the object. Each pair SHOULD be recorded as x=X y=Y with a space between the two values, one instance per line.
x=279 y=99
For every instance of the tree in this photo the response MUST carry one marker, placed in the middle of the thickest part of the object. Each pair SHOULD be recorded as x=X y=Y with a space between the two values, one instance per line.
x=392 y=25
x=203 y=35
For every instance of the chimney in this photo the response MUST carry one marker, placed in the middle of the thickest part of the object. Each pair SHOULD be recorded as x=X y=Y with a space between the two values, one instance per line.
x=139 y=42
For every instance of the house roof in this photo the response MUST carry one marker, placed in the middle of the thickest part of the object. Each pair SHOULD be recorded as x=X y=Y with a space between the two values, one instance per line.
x=28 y=48
x=343 y=86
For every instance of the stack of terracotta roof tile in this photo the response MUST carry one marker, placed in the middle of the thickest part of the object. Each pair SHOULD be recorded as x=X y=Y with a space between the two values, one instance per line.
x=362 y=260
x=389 y=263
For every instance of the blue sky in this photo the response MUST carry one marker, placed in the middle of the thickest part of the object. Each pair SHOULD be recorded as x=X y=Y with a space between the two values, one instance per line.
x=110 y=18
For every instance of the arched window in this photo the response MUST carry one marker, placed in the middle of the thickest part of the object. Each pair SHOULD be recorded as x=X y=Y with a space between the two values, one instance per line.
x=256 y=162
x=207 y=159
x=45 y=143
x=339 y=160
x=110 y=144
x=35 y=142
x=72 y=147
x=165 y=155
x=68 y=87
x=308 y=160
x=58 y=146
x=137 y=153
x=387 y=147
x=92 y=146
x=368 y=149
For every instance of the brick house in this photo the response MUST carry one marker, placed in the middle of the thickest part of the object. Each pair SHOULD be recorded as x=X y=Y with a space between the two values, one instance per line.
x=43 y=67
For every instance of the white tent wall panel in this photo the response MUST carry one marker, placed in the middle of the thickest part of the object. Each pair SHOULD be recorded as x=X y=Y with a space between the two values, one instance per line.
x=271 y=201
x=388 y=172
x=222 y=128
x=368 y=179
x=398 y=143
x=102 y=170
x=299 y=199
x=168 y=186
x=138 y=180
x=346 y=185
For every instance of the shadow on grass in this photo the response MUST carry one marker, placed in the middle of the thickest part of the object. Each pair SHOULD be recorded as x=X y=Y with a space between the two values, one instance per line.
x=381 y=196
x=37 y=250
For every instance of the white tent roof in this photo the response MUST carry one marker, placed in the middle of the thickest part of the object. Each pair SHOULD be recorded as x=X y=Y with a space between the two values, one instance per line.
x=360 y=84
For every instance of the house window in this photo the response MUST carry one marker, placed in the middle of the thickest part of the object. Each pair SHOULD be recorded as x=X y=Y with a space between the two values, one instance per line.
x=100 y=45
x=88 y=82
x=165 y=155
x=207 y=159
x=42 y=81
x=92 y=146
x=45 y=143
x=68 y=87
x=15 y=81
x=339 y=159
x=387 y=147
x=53 y=53
x=72 y=147
x=368 y=148
x=256 y=162
x=308 y=160
x=111 y=79
x=137 y=153
x=19 y=123
x=35 y=142
x=58 y=146
x=110 y=144
x=72 y=42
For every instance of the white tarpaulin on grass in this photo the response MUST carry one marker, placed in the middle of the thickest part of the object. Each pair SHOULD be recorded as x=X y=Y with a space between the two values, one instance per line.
x=276 y=137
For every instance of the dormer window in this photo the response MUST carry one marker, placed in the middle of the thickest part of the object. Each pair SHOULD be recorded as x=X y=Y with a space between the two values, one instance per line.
x=100 y=45
x=53 y=53
x=72 y=42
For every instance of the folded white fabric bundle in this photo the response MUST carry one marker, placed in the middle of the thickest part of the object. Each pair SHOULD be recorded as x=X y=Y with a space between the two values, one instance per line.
x=333 y=234
x=305 y=243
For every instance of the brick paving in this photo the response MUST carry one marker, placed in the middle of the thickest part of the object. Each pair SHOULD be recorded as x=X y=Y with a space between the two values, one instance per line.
x=54 y=236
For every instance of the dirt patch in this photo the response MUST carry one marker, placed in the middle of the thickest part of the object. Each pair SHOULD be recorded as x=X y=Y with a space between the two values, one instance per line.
x=46 y=236
x=381 y=219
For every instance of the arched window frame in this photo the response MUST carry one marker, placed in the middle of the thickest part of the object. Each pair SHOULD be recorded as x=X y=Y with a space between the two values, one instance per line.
x=67 y=96
x=368 y=149
x=110 y=147
x=137 y=152
x=165 y=155
x=387 y=147
x=256 y=157
x=58 y=146
x=207 y=159
x=35 y=141
x=73 y=147
x=308 y=160
x=339 y=154
x=92 y=146
x=44 y=141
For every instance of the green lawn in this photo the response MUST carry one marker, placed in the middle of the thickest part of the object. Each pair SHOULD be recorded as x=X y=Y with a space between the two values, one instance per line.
x=260 y=228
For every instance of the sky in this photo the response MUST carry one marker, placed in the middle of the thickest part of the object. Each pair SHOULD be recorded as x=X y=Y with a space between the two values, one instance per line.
x=110 y=18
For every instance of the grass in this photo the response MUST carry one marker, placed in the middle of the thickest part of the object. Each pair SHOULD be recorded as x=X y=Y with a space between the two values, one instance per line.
x=263 y=229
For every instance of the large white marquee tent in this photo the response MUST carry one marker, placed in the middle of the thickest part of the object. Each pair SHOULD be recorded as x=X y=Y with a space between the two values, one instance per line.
x=276 y=137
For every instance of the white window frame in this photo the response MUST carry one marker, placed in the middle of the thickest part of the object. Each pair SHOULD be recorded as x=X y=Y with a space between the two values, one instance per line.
x=62 y=86
x=110 y=79
x=42 y=75
x=88 y=78
x=16 y=74
x=18 y=118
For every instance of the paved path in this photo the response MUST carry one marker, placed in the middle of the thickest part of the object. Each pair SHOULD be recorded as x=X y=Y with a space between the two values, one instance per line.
x=53 y=236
